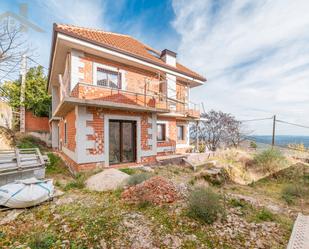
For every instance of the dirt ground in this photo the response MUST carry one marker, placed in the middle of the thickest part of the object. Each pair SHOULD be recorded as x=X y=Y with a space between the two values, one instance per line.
x=84 y=219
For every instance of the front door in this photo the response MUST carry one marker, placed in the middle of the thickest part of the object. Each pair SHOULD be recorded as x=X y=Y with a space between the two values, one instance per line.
x=122 y=141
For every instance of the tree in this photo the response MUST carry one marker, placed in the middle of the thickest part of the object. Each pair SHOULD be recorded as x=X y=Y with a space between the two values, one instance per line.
x=36 y=97
x=217 y=128
x=12 y=47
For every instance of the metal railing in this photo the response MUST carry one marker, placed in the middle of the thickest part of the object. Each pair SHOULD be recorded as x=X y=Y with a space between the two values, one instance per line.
x=88 y=91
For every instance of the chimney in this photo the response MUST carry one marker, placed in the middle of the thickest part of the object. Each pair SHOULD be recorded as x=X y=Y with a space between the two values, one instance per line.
x=169 y=57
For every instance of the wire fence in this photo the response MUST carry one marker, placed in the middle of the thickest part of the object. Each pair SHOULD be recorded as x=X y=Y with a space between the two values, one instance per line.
x=296 y=143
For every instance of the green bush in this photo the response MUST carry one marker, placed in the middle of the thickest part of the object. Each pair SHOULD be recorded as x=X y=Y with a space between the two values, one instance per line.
x=238 y=203
x=264 y=215
x=292 y=192
x=204 y=204
x=253 y=145
x=77 y=183
x=55 y=164
x=28 y=141
x=201 y=148
x=269 y=160
x=42 y=241
x=138 y=178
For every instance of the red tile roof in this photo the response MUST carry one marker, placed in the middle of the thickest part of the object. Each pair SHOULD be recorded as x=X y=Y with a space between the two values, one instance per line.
x=124 y=43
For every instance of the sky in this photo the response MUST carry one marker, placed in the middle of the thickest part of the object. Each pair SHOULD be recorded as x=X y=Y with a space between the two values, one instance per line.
x=254 y=53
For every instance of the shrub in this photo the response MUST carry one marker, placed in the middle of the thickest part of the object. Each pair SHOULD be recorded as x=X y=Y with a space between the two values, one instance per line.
x=291 y=192
x=204 y=204
x=253 y=145
x=201 y=148
x=78 y=183
x=264 y=215
x=144 y=204
x=28 y=141
x=42 y=241
x=269 y=160
x=238 y=203
x=138 y=178
x=55 y=164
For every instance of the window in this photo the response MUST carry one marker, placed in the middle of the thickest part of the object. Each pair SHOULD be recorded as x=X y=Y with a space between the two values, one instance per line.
x=108 y=78
x=161 y=132
x=180 y=132
x=65 y=133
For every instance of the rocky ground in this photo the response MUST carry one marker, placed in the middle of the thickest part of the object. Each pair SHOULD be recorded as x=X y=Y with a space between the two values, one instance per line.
x=81 y=218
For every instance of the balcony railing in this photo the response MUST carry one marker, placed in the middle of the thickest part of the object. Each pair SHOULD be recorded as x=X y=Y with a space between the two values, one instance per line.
x=93 y=92
x=190 y=110
x=153 y=100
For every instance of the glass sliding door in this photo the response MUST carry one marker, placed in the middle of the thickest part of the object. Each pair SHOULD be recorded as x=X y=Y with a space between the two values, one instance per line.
x=114 y=142
x=122 y=141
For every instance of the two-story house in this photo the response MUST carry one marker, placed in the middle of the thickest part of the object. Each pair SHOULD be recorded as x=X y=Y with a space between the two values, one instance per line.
x=116 y=100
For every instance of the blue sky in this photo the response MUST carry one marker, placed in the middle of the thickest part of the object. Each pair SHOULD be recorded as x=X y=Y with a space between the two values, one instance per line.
x=254 y=53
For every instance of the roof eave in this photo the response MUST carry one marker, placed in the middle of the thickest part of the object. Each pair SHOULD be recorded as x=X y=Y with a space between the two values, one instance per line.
x=56 y=29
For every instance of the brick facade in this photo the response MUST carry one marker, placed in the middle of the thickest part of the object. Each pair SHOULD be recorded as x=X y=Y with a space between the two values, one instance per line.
x=69 y=119
x=36 y=124
x=132 y=93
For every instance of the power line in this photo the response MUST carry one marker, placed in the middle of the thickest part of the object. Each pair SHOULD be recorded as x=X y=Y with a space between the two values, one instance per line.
x=289 y=123
x=255 y=119
x=37 y=63
x=10 y=71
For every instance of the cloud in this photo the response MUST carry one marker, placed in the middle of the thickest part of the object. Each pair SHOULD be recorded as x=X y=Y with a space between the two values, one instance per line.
x=255 y=55
x=82 y=13
x=45 y=13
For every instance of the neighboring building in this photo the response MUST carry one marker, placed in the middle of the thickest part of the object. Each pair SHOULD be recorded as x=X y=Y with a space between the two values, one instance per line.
x=116 y=100
x=6 y=113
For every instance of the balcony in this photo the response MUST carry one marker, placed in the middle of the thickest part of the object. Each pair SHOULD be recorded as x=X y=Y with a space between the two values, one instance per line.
x=93 y=92
x=113 y=98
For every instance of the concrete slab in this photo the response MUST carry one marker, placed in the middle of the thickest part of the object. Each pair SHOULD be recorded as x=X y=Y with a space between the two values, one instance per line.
x=300 y=235
x=109 y=179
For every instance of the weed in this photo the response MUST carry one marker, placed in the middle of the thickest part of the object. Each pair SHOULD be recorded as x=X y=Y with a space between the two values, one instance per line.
x=238 y=203
x=55 y=165
x=138 y=178
x=28 y=141
x=192 y=181
x=42 y=241
x=118 y=192
x=204 y=204
x=77 y=183
x=269 y=160
x=253 y=145
x=264 y=215
x=291 y=192
x=129 y=171
x=144 y=204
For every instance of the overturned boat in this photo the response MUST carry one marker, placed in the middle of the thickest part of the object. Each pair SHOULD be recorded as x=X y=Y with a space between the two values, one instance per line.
x=26 y=193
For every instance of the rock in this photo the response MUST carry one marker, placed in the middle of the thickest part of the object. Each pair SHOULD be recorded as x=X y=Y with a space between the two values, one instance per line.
x=58 y=193
x=172 y=241
x=109 y=179
x=216 y=176
x=103 y=244
x=147 y=169
x=11 y=216
x=191 y=237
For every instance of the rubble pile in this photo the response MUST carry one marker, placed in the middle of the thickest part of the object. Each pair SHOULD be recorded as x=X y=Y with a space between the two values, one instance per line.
x=156 y=190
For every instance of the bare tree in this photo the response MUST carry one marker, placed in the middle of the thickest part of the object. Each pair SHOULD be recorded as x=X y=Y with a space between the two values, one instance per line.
x=12 y=47
x=218 y=128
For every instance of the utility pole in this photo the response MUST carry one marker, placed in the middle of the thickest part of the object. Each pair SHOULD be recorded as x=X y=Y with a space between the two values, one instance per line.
x=197 y=138
x=274 y=131
x=22 y=93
